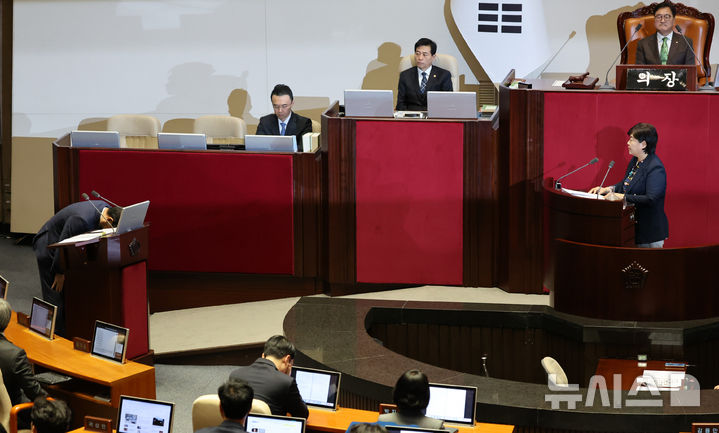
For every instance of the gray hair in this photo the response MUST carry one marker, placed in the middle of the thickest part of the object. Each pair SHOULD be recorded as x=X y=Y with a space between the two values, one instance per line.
x=5 y=314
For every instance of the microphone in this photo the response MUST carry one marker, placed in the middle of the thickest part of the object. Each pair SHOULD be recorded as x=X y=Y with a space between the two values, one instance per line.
x=611 y=164
x=606 y=84
x=97 y=195
x=558 y=185
x=549 y=62
x=86 y=197
x=706 y=85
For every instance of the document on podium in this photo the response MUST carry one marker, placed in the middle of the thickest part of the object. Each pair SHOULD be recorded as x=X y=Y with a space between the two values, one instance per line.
x=582 y=194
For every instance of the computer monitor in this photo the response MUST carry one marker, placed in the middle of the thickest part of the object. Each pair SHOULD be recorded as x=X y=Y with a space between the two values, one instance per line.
x=42 y=318
x=141 y=415
x=452 y=403
x=406 y=429
x=451 y=105
x=4 y=284
x=132 y=217
x=319 y=388
x=257 y=423
x=369 y=103
x=105 y=139
x=271 y=143
x=109 y=341
x=176 y=141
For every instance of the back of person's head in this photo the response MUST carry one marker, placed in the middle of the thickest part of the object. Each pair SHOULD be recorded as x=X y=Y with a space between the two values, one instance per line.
x=5 y=314
x=281 y=90
x=365 y=427
x=235 y=398
x=50 y=416
x=114 y=213
x=426 y=42
x=278 y=346
x=411 y=393
x=666 y=4
x=645 y=132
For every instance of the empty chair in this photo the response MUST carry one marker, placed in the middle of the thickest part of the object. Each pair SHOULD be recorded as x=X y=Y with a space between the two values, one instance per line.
x=221 y=129
x=444 y=61
x=555 y=372
x=260 y=407
x=136 y=130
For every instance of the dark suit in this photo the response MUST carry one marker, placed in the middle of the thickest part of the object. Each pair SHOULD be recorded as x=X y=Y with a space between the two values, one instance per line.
x=227 y=426
x=679 y=52
x=646 y=191
x=273 y=387
x=72 y=220
x=17 y=373
x=420 y=421
x=297 y=126
x=408 y=96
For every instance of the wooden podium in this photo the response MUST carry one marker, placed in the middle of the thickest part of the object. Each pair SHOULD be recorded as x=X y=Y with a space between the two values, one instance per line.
x=106 y=280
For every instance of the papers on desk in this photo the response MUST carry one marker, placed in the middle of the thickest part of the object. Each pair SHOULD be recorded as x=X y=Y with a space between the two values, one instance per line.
x=582 y=194
x=557 y=83
x=660 y=380
x=86 y=238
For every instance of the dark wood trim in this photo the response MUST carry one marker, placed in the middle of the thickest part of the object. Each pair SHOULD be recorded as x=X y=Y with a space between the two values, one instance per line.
x=6 y=45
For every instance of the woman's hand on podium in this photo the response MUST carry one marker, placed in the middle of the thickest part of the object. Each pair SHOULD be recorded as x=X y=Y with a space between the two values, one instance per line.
x=614 y=196
x=600 y=190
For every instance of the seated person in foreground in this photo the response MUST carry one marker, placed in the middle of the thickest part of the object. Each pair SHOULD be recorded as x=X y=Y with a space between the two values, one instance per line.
x=269 y=377
x=665 y=47
x=284 y=121
x=50 y=416
x=365 y=427
x=415 y=82
x=235 y=403
x=411 y=395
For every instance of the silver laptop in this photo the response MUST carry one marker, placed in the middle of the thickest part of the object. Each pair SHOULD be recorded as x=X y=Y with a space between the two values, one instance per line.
x=175 y=141
x=369 y=103
x=142 y=415
x=271 y=143
x=107 y=139
x=132 y=217
x=451 y=105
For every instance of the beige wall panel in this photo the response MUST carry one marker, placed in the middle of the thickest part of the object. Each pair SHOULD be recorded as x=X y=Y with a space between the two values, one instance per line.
x=31 y=196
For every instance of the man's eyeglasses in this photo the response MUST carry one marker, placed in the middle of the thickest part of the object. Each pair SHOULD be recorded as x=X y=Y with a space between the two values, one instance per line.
x=666 y=17
x=278 y=107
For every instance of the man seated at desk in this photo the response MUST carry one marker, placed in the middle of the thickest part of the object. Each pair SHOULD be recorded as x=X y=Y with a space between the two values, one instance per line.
x=284 y=121
x=665 y=47
x=415 y=82
x=235 y=403
x=50 y=416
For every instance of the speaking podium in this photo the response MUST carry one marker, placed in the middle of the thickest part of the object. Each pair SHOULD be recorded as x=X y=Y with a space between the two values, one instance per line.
x=106 y=279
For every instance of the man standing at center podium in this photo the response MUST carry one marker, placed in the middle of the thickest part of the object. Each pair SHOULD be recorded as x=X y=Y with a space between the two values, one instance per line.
x=415 y=82
x=665 y=47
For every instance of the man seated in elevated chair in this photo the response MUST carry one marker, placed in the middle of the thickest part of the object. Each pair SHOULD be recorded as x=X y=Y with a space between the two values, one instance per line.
x=415 y=82
x=284 y=121
x=665 y=47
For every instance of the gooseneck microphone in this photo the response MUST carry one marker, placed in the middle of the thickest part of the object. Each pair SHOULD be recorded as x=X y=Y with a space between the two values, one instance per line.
x=558 y=185
x=706 y=85
x=611 y=164
x=551 y=59
x=86 y=197
x=97 y=195
x=606 y=84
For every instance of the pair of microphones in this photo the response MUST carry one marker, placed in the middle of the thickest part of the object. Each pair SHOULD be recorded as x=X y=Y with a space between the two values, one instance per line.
x=98 y=196
x=558 y=184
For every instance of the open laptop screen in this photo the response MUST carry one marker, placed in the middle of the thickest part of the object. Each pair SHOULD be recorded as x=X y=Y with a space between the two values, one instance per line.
x=405 y=429
x=132 y=217
x=104 y=139
x=257 y=423
x=318 y=387
x=452 y=403
x=141 y=415
x=4 y=284
x=177 y=141
x=42 y=317
x=109 y=341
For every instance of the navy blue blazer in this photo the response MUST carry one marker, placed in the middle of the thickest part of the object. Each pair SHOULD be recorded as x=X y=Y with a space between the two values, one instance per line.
x=646 y=191
x=297 y=126
x=408 y=96
x=275 y=388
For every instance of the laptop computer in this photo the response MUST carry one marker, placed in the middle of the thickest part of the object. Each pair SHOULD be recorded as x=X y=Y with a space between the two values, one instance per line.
x=132 y=217
x=4 y=284
x=369 y=103
x=142 y=415
x=42 y=318
x=451 y=105
x=271 y=143
x=109 y=341
x=106 y=139
x=406 y=429
x=176 y=141
x=455 y=404
x=256 y=423
x=318 y=388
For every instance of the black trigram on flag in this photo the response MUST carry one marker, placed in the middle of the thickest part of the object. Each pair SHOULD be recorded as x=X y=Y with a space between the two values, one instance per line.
x=491 y=20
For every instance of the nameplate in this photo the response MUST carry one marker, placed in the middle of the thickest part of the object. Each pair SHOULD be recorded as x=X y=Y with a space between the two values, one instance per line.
x=705 y=427
x=657 y=79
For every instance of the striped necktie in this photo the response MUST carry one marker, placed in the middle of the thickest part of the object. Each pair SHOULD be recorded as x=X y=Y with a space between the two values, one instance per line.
x=423 y=86
x=664 y=53
x=282 y=130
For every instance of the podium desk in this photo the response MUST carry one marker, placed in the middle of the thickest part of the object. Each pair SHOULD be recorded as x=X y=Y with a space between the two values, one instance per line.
x=629 y=370
x=97 y=384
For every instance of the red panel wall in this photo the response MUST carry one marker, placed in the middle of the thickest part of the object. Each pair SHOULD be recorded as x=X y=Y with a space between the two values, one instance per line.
x=579 y=126
x=134 y=308
x=209 y=212
x=409 y=202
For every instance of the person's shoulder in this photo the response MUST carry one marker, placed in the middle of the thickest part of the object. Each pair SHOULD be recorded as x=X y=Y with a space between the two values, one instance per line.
x=268 y=118
x=301 y=119
x=439 y=70
x=408 y=71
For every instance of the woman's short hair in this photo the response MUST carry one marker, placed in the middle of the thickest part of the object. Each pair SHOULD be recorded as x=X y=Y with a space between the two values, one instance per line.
x=411 y=393
x=645 y=132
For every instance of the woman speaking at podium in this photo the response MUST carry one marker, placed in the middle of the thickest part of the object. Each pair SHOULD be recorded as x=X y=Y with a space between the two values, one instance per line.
x=644 y=185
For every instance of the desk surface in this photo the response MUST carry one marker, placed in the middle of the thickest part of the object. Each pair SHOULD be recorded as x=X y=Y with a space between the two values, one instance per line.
x=629 y=370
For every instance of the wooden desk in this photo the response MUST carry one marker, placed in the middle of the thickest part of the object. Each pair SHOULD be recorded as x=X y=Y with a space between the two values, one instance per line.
x=629 y=369
x=97 y=384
